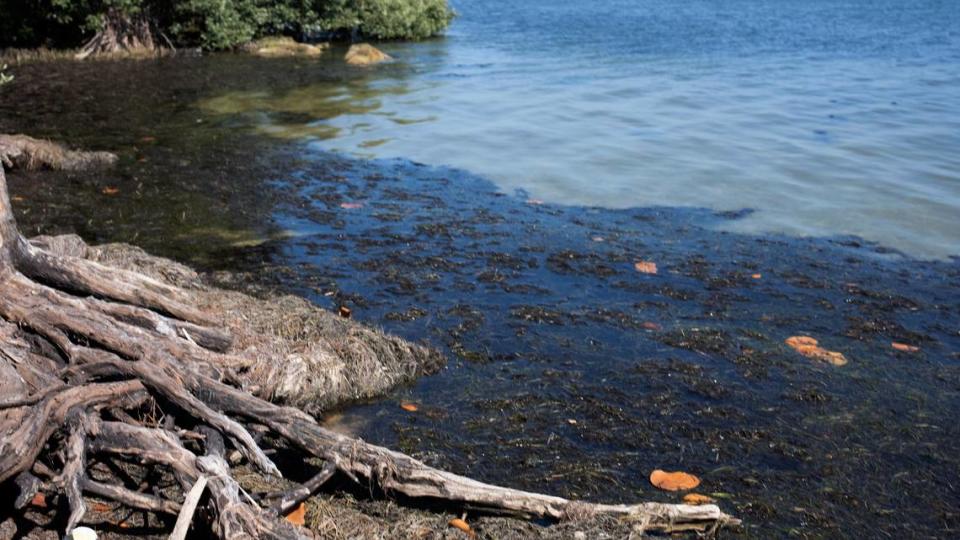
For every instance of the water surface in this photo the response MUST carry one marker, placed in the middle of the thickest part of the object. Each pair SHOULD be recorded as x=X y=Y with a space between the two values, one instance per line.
x=826 y=116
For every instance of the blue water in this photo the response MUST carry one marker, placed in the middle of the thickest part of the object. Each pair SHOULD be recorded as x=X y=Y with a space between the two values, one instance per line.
x=827 y=117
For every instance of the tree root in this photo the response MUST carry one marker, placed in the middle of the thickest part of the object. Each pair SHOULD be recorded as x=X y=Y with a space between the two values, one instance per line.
x=123 y=33
x=90 y=353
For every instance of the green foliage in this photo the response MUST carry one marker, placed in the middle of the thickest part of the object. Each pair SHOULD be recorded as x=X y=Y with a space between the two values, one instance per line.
x=222 y=24
x=405 y=19
x=388 y=19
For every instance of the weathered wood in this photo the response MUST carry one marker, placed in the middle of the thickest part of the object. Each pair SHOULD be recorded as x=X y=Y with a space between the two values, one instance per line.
x=130 y=498
x=396 y=472
x=190 y=502
x=74 y=470
x=283 y=503
x=20 y=444
x=28 y=486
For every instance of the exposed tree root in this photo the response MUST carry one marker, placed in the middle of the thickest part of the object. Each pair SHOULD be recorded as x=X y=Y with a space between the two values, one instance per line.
x=89 y=352
x=122 y=33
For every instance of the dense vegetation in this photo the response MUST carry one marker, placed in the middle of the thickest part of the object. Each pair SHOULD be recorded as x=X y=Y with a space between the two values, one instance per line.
x=221 y=24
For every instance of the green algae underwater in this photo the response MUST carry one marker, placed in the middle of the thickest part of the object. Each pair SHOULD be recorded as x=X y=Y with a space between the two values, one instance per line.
x=570 y=372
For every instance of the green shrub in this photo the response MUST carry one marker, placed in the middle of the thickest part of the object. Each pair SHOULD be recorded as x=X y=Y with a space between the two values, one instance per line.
x=388 y=19
x=222 y=24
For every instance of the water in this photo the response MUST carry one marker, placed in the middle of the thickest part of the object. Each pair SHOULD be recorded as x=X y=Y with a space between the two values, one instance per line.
x=825 y=116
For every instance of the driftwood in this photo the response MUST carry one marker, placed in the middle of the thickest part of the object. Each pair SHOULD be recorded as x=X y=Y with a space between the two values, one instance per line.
x=89 y=351
x=23 y=152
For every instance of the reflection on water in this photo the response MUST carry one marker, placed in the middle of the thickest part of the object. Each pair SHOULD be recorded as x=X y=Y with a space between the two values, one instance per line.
x=826 y=117
x=308 y=111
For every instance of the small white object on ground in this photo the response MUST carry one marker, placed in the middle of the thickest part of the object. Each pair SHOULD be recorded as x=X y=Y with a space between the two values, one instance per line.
x=83 y=533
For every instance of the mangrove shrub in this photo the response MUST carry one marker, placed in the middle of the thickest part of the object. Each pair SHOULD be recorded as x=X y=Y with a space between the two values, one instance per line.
x=221 y=24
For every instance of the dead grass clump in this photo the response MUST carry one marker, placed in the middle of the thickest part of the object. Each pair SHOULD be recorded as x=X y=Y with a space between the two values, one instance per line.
x=19 y=57
x=327 y=360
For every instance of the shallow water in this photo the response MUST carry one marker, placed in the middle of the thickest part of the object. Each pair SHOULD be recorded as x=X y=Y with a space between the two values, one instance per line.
x=573 y=373
x=826 y=116
x=538 y=306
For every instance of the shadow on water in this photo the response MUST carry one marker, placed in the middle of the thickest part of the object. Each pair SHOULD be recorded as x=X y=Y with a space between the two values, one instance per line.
x=570 y=371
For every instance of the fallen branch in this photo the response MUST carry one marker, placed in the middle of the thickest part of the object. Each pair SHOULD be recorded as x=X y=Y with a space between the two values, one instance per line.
x=190 y=502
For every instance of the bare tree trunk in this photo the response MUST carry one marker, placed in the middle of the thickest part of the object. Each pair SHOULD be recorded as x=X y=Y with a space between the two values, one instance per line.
x=87 y=350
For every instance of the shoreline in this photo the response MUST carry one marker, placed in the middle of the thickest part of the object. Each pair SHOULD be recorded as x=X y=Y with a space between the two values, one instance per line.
x=683 y=368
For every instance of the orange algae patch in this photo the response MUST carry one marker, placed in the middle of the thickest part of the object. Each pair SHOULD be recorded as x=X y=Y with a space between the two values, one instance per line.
x=809 y=347
x=673 y=481
x=697 y=499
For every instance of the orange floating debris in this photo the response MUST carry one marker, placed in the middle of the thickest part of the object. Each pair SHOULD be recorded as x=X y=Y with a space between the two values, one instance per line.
x=809 y=347
x=39 y=500
x=458 y=523
x=756 y=276
x=673 y=481
x=645 y=267
x=409 y=407
x=903 y=347
x=648 y=325
x=351 y=205
x=696 y=499
x=110 y=190
x=297 y=515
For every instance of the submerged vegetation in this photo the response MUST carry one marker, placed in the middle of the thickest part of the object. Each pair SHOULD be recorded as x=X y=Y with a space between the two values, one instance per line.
x=217 y=25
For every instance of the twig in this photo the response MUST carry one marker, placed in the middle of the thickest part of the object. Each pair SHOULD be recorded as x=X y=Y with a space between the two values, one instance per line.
x=188 y=509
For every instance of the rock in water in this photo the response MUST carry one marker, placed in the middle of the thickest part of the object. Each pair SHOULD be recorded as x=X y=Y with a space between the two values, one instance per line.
x=364 y=54
x=275 y=47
